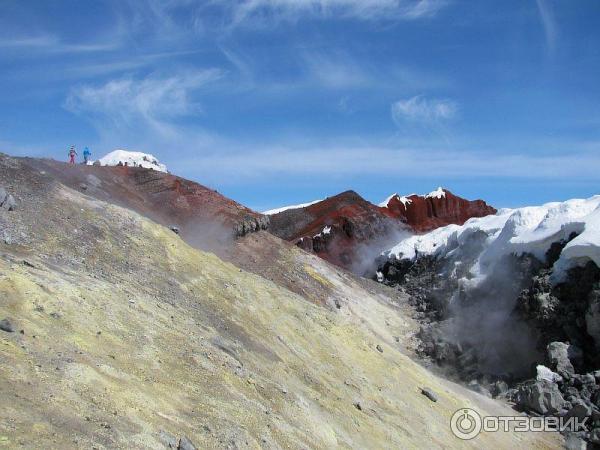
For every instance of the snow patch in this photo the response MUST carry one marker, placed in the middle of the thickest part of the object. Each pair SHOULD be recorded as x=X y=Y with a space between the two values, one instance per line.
x=270 y=212
x=384 y=203
x=403 y=199
x=530 y=229
x=138 y=159
x=406 y=200
x=544 y=373
x=438 y=193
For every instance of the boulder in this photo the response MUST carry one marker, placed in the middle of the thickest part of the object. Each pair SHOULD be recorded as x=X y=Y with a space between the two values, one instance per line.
x=580 y=410
x=575 y=441
x=6 y=325
x=168 y=440
x=429 y=394
x=186 y=444
x=561 y=356
x=7 y=201
x=542 y=397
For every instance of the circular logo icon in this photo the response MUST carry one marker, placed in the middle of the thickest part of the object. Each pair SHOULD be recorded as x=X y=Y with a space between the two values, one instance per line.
x=465 y=424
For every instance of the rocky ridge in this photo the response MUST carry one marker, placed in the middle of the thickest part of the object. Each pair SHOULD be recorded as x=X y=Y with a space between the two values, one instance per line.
x=347 y=230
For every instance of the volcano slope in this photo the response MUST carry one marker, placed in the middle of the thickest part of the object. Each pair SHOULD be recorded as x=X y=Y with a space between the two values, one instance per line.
x=202 y=216
x=125 y=336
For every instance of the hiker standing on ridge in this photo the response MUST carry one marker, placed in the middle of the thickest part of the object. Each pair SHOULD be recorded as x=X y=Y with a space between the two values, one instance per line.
x=86 y=155
x=72 y=154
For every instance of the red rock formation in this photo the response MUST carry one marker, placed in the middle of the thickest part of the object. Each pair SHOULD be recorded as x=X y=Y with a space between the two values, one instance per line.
x=346 y=229
x=337 y=228
x=440 y=208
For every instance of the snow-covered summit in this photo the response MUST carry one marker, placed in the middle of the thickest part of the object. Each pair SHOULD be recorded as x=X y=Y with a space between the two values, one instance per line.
x=138 y=159
x=405 y=199
x=438 y=193
x=402 y=198
x=285 y=208
x=516 y=231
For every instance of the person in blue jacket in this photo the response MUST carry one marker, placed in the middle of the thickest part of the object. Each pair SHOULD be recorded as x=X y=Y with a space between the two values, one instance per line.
x=86 y=155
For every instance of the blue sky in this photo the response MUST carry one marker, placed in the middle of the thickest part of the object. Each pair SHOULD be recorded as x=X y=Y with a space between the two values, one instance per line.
x=276 y=102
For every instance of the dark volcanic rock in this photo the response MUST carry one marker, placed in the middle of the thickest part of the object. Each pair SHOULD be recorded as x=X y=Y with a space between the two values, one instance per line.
x=186 y=444
x=6 y=325
x=429 y=394
x=541 y=397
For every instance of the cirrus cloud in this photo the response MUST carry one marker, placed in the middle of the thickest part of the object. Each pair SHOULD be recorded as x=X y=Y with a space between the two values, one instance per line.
x=152 y=101
x=422 y=110
x=342 y=9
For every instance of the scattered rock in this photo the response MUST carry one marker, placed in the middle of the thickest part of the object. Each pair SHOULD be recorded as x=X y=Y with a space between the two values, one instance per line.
x=83 y=186
x=429 y=394
x=595 y=436
x=168 y=439
x=6 y=325
x=358 y=406
x=542 y=397
x=574 y=441
x=580 y=410
x=186 y=444
x=174 y=229
x=7 y=201
x=379 y=349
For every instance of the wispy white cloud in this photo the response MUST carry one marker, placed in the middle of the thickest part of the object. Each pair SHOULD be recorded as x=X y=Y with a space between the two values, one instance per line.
x=340 y=9
x=236 y=164
x=336 y=71
x=548 y=22
x=149 y=104
x=51 y=43
x=422 y=110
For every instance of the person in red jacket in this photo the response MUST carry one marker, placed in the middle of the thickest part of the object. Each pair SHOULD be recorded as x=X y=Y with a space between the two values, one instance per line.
x=72 y=154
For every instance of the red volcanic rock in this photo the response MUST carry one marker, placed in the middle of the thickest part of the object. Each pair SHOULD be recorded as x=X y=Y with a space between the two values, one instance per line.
x=347 y=230
x=204 y=217
x=434 y=210
x=337 y=228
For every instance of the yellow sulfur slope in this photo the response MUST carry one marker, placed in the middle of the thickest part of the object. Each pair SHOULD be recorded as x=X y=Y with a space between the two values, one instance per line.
x=128 y=331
